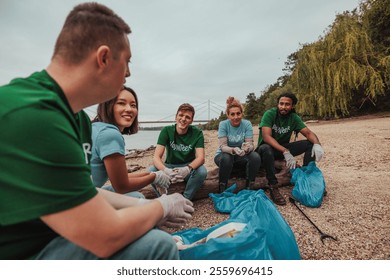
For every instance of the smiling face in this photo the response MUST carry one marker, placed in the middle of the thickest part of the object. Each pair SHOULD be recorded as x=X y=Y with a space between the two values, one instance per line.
x=125 y=109
x=285 y=105
x=235 y=116
x=183 y=120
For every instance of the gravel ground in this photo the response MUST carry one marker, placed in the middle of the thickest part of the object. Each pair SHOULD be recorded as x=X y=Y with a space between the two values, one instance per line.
x=356 y=209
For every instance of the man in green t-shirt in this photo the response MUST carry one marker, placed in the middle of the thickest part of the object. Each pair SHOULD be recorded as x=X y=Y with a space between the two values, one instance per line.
x=49 y=208
x=276 y=128
x=184 y=144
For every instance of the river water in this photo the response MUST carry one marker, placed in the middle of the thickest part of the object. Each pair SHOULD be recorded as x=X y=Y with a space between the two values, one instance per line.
x=141 y=140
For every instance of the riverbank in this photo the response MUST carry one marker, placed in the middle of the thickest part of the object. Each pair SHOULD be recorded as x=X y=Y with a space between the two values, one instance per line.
x=356 y=209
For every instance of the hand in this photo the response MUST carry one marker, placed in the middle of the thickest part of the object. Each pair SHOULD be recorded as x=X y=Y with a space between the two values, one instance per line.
x=181 y=173
x=162 y=179
x=176 y=207
x=317 y=151
x=247 y=147
x=169 y=172
x=238 y=151
x=290 y=160
x=172 y=223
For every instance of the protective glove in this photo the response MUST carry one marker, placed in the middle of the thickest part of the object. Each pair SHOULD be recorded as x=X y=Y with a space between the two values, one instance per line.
x=317 y=151
x=162 y=179
x=176 y=207
x=238 y=151
x=181 y=173
x=169 y=172
x=290 y=160
x=247 y=147
x=172 y=223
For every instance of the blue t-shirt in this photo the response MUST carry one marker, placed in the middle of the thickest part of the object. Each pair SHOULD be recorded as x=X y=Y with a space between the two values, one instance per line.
x=106 y=140
x=235 y=135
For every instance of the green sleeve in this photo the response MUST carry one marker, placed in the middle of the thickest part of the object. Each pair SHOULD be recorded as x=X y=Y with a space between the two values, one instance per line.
x=44 y=169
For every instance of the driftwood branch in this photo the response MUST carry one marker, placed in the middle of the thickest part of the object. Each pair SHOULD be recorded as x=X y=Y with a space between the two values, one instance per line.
x=211 y=183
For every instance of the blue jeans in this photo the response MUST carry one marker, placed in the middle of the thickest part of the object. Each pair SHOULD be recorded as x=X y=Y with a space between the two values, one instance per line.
x=269 y=154
x=132 y=194
x=194 y=180
x=226 y=162
x=154 y=245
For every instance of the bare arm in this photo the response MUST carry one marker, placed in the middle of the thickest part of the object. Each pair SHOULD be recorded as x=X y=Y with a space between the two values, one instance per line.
x=118 y=201
x=199 y=158
x=158 y=157
x=97 y=227
x=310 y=135
x=117 y=173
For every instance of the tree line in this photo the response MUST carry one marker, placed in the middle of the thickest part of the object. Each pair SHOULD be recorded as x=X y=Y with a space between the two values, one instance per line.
x=346 y=72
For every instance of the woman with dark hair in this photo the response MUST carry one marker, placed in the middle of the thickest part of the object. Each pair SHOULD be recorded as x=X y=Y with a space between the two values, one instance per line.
x=116 y=117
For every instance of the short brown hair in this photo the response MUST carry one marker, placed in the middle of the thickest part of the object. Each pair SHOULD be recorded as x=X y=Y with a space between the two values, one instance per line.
x=186 y=107
x=105 y=113
x=88 y=26
x=233 y=102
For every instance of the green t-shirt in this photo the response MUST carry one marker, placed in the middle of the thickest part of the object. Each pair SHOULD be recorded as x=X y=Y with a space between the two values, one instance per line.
x=282 y=126
x=44 y=162
x=180 y=148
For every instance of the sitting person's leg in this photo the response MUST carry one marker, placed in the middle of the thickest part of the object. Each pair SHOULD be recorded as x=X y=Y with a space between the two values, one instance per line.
x=225 y=163
x=154 y=245
x=194 y=181
x=299 y=147
x=252 y=168
x=132 y=194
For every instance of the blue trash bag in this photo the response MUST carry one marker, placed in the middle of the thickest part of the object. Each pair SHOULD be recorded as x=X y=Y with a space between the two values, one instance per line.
x=309 y=185
x=266 y=235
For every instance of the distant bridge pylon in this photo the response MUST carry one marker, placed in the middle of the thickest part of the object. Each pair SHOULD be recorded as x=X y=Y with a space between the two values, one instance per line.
x=208 y=107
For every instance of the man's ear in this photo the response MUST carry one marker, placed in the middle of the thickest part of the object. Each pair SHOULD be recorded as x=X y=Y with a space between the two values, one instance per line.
x=103 y=55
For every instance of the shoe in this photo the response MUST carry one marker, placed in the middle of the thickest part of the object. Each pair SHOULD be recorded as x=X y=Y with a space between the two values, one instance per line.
x=276 y=197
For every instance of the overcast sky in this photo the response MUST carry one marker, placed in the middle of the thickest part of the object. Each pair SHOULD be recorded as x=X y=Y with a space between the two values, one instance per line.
x=183 y=50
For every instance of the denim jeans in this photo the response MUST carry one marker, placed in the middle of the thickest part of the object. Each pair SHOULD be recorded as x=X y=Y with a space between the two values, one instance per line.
x=226 y=162
x=269 y=154
x=194 y=180
x=132 y=194
x=154 y=245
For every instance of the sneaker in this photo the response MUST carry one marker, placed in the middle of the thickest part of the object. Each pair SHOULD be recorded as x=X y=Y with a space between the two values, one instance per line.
x=276 y=197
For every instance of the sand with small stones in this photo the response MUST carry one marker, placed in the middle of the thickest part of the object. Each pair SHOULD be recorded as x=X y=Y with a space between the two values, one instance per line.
x=356 y=167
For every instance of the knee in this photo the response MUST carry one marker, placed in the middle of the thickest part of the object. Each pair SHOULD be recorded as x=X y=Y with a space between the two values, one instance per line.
x=255 y=158
x=226 y=159
x=201 y=172
x=152 y=168
x=265 y=150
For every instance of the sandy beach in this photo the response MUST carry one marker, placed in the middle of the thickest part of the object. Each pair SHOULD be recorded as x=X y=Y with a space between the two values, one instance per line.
x=356 y=209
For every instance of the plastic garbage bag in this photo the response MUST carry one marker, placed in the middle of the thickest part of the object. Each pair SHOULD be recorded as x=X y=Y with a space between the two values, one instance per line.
x=266 y=235
x=309 y=185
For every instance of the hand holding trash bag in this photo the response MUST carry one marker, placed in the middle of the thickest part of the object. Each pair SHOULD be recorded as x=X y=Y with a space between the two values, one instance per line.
x=317 y=151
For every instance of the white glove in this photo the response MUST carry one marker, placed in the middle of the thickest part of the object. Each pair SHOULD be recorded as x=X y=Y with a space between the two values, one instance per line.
x=172 y=223
x=176 y=207
x=238 y=151
x=290 y=160
x=247 y=147
x=317 y=151
x=181 y=173
x=169 y=172
x=162 y=179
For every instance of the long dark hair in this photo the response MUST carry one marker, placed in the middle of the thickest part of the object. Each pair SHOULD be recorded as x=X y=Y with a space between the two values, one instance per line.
x=105 y=113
